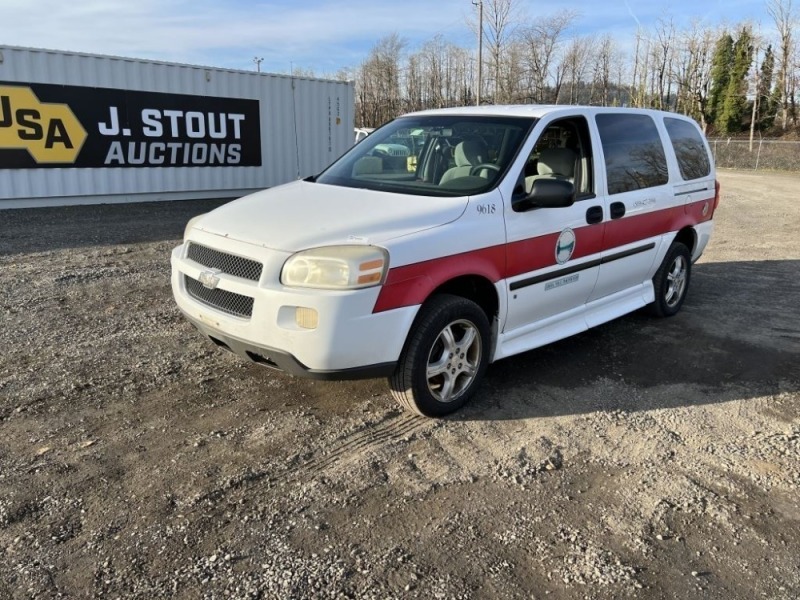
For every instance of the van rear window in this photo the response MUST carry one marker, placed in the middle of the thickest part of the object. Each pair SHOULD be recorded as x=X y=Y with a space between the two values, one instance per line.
x=687 y=141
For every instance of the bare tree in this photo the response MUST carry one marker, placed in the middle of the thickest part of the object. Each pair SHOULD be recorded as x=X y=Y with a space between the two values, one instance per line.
x=601 y=75
x=641 y=69
x=439 y=74
x=378 y=91
x=464 y=76
x=415 y=82
x=755 y=87
x=535 y=61
x=794 y=81
x=434 y=58
x=663 y=56
x=514 y=87
x=499 y=29
x=575 y=63
x=692 y=72
x=783 y=15
x=542 y=40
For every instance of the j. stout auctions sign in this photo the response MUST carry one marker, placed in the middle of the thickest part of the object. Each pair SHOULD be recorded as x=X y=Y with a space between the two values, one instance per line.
x=69 y=126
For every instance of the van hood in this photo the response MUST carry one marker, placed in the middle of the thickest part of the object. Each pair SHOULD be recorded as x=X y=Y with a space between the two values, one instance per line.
x=301 y=215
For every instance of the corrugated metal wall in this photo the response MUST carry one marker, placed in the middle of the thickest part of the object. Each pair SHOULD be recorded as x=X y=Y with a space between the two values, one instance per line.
x=300 y=132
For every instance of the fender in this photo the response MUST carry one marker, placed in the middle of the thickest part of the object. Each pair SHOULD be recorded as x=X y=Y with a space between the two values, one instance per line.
x=410 y=285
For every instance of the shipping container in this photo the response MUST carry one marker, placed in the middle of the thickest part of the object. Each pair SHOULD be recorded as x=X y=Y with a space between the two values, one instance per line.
x=82 y=129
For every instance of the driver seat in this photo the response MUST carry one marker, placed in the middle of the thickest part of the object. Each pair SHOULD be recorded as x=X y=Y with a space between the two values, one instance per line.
x=467 y=154
x=554 y=163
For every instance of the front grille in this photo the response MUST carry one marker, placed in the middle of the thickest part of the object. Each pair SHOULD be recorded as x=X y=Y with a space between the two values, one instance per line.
x=398 y=152
x=227 y=263
x=228 y=302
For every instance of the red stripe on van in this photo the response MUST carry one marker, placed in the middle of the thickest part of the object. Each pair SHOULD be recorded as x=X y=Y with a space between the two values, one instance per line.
x=540 y=252
x=638 y=227
x=410 y=285
x=630 y=229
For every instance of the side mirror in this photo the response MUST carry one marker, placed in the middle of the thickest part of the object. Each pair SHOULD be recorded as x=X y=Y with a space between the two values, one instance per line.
x=546 y=193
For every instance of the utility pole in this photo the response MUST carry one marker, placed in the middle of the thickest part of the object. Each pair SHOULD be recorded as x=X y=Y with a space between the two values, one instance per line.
x=479 y=4
x=258 y=62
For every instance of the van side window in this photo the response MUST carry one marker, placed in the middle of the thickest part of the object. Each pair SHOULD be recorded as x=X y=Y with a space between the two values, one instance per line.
x=563 y=151
x=634 y=155
x=687 y=141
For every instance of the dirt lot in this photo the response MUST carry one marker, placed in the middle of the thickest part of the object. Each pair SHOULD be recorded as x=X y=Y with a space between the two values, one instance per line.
x=643 y=459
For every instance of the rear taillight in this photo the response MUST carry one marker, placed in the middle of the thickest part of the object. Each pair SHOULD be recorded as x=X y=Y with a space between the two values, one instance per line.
x=716 y=195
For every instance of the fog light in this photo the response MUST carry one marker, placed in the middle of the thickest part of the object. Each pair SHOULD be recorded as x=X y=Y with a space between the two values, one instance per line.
x=307 y=318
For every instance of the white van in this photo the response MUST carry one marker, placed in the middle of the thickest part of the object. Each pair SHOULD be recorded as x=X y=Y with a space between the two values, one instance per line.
x=361 y=132
x=499 y=230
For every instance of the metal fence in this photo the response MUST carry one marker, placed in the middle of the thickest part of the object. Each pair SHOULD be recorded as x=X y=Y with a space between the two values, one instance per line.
x=765 y=155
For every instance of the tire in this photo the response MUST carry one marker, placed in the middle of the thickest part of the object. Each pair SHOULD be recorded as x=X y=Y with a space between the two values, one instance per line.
x=436 y=375
x=671 y=281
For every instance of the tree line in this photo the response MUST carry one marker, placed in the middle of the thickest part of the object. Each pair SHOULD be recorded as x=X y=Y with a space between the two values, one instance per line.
x=730 y=79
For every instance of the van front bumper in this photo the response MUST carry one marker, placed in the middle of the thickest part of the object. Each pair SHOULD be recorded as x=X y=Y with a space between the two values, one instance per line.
x=284 y=361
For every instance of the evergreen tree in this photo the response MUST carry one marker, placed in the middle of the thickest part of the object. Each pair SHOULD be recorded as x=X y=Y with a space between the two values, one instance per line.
x=765 y=118
x=775 y=103
x=733 y=113
x=720 y=75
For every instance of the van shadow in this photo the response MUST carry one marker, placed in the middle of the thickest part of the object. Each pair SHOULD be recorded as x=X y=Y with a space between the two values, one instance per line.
x=28 y=230
x=738 y=334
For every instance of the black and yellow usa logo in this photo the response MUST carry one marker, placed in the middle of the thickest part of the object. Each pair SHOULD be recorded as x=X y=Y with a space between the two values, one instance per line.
x=49 y=132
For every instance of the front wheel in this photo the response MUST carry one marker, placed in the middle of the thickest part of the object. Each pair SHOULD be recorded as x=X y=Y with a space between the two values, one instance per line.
x=671 y=281
x=445 y=357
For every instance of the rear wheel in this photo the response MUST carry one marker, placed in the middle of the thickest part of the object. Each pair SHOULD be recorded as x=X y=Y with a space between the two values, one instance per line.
x=445 y=357
x=671 y=281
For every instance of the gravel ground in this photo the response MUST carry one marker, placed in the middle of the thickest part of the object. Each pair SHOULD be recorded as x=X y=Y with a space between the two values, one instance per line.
x=642 y=459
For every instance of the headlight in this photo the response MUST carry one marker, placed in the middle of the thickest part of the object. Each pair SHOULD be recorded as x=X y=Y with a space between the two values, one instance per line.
x=336 y=267
x=190 y=224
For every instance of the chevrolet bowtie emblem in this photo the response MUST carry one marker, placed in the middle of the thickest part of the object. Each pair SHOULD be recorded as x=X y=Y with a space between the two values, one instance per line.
x=209 y=279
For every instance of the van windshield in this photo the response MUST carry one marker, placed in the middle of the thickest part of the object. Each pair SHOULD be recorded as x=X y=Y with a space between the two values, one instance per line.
x=435 y=155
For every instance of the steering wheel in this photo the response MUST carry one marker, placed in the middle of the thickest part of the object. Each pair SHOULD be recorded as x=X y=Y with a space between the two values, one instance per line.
x=478 y=168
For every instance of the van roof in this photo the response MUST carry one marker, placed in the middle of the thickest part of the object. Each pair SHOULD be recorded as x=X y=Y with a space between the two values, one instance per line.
x=534 y=110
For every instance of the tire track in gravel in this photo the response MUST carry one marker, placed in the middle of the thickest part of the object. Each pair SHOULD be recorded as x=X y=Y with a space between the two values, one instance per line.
x=348 y=448
x=352 y=446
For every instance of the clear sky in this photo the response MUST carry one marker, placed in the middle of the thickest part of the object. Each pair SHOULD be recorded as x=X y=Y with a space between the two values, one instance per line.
x=323 y=35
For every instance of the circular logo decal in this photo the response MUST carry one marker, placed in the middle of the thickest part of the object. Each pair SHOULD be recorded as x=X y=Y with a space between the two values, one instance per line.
x=565 y=246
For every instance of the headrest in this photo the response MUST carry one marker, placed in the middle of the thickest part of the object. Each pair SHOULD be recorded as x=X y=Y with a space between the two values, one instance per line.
x=368 y=165
x=471 y=152
x=558 y=161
